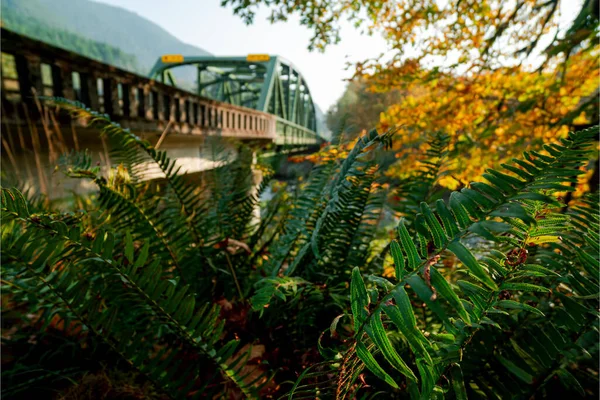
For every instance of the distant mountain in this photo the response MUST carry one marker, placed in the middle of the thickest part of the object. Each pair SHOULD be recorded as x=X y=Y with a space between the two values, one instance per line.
x=66 y=22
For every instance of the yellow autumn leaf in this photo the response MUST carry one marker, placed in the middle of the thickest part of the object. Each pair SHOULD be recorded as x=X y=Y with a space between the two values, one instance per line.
x=544 y=239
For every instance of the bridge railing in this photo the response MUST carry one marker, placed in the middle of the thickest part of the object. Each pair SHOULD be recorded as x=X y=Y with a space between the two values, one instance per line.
x=134 y=101
x=289 y=133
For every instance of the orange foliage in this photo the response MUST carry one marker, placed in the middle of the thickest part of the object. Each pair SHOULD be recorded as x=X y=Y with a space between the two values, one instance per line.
x=496 y=75
x=491 y=116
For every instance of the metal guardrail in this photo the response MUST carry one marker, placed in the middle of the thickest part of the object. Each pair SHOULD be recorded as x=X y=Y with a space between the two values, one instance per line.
x=136 y=102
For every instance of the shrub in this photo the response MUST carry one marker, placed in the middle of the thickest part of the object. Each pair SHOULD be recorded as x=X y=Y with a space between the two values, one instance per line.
x=493 y=293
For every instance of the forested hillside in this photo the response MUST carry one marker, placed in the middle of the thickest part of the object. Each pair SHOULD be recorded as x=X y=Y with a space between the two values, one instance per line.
x=111 y=34
x=18 y=19
x=360 y=108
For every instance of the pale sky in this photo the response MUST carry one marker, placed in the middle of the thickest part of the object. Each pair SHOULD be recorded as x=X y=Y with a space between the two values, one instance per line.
x=204 y=23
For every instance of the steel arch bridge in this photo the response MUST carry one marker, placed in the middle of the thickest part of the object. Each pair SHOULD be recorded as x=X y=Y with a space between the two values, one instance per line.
x=261 y=82
x=259 y=100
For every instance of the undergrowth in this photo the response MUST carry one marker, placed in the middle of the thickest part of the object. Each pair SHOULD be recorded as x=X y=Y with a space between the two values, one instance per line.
x=173 y=288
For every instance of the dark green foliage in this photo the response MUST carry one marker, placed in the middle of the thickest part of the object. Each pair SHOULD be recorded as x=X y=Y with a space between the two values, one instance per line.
x=131 y=308
x=128 y=272
x=508 y=280
x=421 y=185
x=514 y=318
x=493 y=293
x=136 y=269
x=329 y=228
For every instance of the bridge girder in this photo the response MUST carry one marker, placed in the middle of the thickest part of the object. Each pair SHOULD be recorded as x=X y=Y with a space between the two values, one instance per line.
x=266 y=83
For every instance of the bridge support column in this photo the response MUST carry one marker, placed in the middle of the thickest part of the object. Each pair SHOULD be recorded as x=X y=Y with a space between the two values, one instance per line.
x=91 y=81
x=66 y=81
x=110 y=96
x=26 y=71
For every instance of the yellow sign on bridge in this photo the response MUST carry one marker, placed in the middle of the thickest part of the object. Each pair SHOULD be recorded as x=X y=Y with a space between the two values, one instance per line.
x=172 y=58
x=257 y=57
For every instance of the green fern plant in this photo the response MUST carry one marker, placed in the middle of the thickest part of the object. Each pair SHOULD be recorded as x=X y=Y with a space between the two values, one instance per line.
x=132 y=307
x=127 y=271
x=421 y=185
x=153 y=240
x=327 y=231
x=527 y=278
x=494 y=293
x=191 y=223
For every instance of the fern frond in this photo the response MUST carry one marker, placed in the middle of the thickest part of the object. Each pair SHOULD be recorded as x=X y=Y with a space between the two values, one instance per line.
x=340 y=211
x=191 y=226
x=136 y=153
x=347 y=194
x=299 y=224
x=420 y=185
x=132 y=308
x=521 y=201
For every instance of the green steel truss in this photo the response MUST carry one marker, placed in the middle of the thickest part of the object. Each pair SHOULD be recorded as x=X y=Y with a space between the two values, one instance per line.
x=265 y=83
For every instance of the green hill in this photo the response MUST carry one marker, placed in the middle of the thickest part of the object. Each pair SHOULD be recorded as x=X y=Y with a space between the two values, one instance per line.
x=15 y=20
x=110 y=34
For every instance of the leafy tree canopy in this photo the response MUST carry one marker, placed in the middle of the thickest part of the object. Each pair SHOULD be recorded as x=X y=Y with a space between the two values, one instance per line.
x=463 y=29
x=496 y=76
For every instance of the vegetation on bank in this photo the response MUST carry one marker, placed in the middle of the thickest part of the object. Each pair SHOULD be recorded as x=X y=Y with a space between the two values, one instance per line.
x=174 y=289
